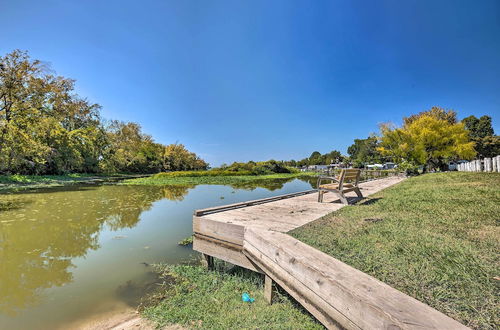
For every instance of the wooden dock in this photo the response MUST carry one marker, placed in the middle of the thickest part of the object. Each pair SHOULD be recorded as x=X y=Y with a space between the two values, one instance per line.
x=253 y=235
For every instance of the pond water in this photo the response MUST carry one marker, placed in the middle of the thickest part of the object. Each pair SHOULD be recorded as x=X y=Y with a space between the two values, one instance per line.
x=70 y=253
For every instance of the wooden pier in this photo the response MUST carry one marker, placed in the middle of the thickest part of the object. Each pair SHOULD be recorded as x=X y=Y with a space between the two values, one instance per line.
x=253 y=235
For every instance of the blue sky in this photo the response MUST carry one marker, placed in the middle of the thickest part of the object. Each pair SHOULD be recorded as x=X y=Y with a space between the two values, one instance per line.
x=254 y=80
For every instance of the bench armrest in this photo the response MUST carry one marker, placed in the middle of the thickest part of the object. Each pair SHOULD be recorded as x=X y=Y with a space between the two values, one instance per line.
x=331 y=178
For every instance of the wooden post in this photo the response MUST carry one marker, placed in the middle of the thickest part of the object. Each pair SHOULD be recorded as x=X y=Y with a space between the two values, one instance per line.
x=208 y=261
x=493 y=164
x=268 y=289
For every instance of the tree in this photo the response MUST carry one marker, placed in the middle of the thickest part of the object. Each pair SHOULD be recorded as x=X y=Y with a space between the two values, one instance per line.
x=364 y=151
x=489 y=146
x=177 y=158
x=448 y=115
x=482 y=133
x=46 y=128
x=479 y=128
x=428 y=139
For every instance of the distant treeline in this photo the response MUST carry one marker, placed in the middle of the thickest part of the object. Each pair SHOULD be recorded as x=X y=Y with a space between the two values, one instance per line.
x=254 y=168
x=47 y=128
x=430 y=139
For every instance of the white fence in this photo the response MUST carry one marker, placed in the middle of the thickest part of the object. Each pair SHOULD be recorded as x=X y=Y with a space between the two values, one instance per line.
x=481 y=165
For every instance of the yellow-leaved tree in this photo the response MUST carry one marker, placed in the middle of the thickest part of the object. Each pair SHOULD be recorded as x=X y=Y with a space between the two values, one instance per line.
x=430 y=138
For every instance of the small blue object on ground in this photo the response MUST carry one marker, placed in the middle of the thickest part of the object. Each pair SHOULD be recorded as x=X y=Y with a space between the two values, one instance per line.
x=246 y=298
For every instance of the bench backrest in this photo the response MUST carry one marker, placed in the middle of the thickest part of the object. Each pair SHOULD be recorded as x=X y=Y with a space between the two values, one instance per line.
x=349 y=175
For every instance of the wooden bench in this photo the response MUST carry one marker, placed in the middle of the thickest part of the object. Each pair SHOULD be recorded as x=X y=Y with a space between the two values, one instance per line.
x=347 y=181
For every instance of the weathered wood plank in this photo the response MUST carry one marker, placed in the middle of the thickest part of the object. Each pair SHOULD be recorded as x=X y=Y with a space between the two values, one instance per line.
x=323 y=312
x=208 y=261
x=357 y=298
x=229 y=232
x=223 y=252
x=268 y=289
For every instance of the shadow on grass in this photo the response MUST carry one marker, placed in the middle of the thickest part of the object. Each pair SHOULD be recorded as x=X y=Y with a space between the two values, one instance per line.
x=369 y=201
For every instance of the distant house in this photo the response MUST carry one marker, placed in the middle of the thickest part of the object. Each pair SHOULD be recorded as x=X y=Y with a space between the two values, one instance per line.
x=375 y=166
x=317 y=167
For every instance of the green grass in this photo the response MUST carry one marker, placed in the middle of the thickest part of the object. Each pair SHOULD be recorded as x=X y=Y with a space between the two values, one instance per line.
x=434 y=237
x=182 y=179
x=197 y=298
x=19 y=181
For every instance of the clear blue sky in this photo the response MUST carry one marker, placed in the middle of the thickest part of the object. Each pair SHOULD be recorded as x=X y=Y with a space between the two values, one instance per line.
x=254 y=80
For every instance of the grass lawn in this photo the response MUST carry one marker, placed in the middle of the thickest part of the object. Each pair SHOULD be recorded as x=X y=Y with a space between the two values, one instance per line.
x=197 y=298
x=435 y=237
x=209 y=179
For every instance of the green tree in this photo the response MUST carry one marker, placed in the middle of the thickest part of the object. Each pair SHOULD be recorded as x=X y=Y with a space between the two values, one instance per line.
x=177 y=158
x=482 y=133
x=364 y=151
x=46 y=128
x=479 y=128
x=448 y=115
x=427 y=139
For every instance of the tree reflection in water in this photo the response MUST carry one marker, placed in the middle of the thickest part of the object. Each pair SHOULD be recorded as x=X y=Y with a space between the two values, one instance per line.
x=42 y=231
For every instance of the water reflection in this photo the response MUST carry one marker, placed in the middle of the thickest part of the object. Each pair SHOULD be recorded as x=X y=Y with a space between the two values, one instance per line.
x=40 y=233
x=64 y=251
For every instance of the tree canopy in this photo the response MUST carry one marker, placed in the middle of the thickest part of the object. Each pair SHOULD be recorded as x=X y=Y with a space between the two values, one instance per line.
x=482 y=133
x=431 y=138
x=47 y=128
x=364 y=151
x=316 y=158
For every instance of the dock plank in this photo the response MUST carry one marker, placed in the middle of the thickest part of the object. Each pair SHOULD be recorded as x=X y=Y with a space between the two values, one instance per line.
x=253 y=235
x=286 y=214
x=356 y=299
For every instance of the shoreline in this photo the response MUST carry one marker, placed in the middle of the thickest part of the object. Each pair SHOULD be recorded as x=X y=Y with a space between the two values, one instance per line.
x=213 y=180
x=9 y=183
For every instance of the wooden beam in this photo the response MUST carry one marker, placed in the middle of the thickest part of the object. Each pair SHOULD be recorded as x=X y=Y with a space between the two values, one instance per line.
x=227 y=207
x=268 y=289
x=208 y=261
x=328 y=288
x=224 y=252
x=323 y=312
x=219 y=230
